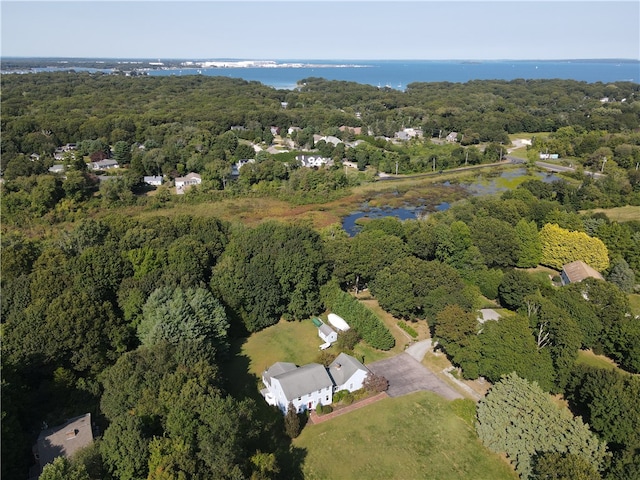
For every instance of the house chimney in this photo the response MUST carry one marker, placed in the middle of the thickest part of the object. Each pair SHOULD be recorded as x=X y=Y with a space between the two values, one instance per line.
x=338 y=366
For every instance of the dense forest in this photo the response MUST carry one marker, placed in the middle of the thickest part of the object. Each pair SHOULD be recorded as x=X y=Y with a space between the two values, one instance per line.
x=135 y=318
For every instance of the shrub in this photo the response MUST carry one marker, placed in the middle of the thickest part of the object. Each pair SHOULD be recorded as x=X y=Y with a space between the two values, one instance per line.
x=375 y=383
x=292 y=422
x=326 y=409
x=407 y=328
x=360 y=318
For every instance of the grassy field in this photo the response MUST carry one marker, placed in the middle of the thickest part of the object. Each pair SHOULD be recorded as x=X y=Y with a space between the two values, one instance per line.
x=619 y=214
x=417 y=436
x=587 y=357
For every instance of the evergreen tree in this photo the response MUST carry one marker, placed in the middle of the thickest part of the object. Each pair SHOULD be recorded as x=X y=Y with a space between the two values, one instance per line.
x=292 y=421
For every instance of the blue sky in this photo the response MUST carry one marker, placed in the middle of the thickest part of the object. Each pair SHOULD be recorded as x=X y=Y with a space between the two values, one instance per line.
x=322 y=29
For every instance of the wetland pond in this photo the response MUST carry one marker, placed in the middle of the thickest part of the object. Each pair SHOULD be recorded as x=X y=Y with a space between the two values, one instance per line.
x=416 y=207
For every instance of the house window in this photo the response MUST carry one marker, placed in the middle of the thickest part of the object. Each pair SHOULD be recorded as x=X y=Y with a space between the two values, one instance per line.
x=326 y=398
x=299 y=398
x=351 y=386
x=320 y=392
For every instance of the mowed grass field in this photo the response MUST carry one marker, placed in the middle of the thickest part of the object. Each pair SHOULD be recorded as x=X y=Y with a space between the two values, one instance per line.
x=618 y=214
x=296 y=342
x=417 y=436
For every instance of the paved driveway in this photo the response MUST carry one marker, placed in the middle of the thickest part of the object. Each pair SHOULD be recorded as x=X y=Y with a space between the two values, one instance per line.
x=406 y=375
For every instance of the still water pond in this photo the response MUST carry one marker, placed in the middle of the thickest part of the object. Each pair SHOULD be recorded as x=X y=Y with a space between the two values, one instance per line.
x=482 y=186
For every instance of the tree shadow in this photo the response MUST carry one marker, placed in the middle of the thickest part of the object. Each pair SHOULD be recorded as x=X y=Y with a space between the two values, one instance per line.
x=240 y=383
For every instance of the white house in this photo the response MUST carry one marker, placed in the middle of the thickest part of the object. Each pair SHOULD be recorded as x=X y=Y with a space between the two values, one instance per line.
x=312 y=384
x=313 y=160
x=183 y=183
x=305 y=386
x=155 y=180
x=235 y=168
x=347 y=373
x=56 y=169
x=104 y=165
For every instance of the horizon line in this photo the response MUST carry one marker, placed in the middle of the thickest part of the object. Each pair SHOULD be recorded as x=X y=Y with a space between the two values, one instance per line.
x=261 y=59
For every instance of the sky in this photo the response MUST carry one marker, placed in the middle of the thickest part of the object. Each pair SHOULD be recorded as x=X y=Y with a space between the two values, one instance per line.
x=357 y=30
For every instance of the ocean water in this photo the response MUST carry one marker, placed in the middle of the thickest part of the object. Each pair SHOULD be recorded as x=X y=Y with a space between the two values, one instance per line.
x=397 y=74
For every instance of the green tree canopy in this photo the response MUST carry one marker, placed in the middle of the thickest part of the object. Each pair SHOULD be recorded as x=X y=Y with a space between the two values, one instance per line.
x=545 y=427
x=175 y=315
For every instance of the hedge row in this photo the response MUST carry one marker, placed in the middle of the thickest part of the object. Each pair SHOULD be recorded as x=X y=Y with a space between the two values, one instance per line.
x=359 y=317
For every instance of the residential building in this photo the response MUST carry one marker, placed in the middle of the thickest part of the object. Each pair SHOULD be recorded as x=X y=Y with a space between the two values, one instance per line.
x=235 y=168
x=154 y=180
x=305 y=387
x=56 y=169
x=104 y=165
x=577 y=271
x=184 y=183
x=347 y=373
x=452 y=137
x=313 y=384
x=313 y=160
x=62 y=440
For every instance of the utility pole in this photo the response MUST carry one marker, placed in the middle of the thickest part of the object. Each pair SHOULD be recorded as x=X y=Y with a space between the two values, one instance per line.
x=396 y=167
x=434 y=164
x=466 y=157
x=604 y=160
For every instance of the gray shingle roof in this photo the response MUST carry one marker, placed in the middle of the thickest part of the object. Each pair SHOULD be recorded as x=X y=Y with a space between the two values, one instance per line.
x=326 y=329
x=278 y=368
x=304 y=380
x=343 y=368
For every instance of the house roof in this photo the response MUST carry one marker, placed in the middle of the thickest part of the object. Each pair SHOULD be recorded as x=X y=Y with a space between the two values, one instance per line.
x=278 y=368
x=578 y=271
x=65 y=439
x=187 y=177
x=304 y=380
x=326 y=329
x=343 y=368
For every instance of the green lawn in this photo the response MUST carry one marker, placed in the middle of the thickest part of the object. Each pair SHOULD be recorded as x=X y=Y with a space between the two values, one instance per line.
x=587 y=357
x=295 y=342
x=618 y=214
x=417 y=436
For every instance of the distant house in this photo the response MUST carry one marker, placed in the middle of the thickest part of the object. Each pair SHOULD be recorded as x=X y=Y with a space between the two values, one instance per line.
x=313 y=160
x=354 y=130
x=275 y=131
x=452 y=137
x=293 y=129
x=238 y=128
x=63 y=440
x=401 y=135
x=104 y=165
x=34 y=156
x=549 y=156
x=184 y=183
x=312 y=384
x=328 y=139
x=154 y=180
x=56 y=169
x=235 y=168
x=577 y=271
